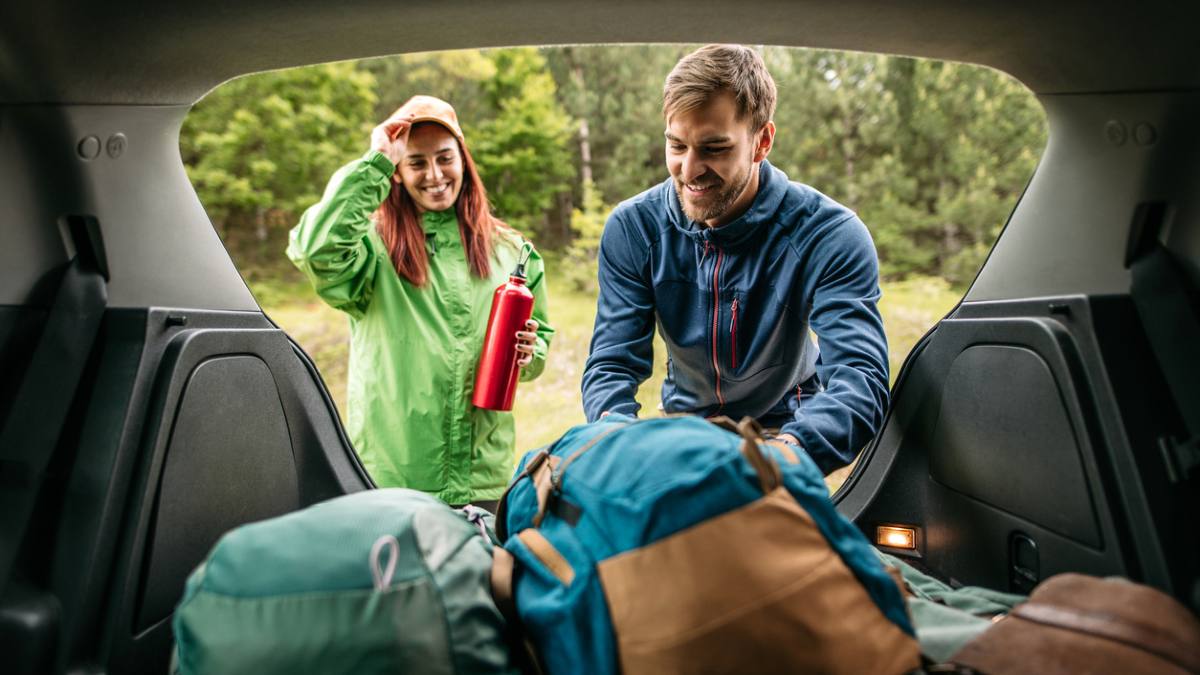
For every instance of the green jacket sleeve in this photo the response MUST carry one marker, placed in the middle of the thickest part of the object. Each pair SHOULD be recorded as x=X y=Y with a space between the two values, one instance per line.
x=331 y=244
x=536 y=269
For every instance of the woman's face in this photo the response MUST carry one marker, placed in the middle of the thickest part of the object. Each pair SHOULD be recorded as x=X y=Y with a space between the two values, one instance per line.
x=432 y=167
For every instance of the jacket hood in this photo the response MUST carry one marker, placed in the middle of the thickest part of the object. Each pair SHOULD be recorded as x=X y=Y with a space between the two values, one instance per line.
x=772 y=186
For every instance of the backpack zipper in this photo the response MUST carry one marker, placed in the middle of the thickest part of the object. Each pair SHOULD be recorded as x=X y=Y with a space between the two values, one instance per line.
x=733 y=335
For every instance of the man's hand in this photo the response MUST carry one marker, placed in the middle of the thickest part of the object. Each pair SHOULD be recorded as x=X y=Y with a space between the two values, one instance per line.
x=526 y=340
x=789 y=439
x=391 y=138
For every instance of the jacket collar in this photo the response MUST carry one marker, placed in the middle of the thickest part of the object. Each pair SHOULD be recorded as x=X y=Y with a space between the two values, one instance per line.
x=772 y=186
x=440 y=225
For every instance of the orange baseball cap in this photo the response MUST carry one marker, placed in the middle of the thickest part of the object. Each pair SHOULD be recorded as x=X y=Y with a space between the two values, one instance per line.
x=431 y=109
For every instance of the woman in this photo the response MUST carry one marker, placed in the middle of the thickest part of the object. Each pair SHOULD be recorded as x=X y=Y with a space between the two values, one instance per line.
x=404 y=243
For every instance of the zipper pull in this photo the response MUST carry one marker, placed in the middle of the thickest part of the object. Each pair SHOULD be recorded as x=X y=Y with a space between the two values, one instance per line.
x=733 y=334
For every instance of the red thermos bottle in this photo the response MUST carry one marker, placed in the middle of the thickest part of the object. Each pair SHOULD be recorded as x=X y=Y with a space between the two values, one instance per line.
x=496 y=376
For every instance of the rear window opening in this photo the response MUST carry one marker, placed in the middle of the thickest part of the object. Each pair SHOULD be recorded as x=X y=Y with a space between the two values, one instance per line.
x=931 y=155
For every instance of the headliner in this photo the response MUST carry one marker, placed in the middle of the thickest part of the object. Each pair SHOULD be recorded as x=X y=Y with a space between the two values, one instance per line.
x=172 y=52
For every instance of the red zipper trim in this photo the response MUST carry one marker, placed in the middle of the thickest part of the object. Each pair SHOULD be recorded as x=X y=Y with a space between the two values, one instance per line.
x=716 y=315
x=733 y=336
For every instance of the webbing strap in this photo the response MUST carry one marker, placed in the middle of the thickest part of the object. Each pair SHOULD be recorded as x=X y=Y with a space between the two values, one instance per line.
x=43 y=400
x=549 y=556
x=543 y=482
x=769 y=476
x=752 y=434
x=503 y=565
x=502 y=505
x=556 y=478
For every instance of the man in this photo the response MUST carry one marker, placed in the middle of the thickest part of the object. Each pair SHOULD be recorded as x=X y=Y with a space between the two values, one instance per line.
x=735 y=263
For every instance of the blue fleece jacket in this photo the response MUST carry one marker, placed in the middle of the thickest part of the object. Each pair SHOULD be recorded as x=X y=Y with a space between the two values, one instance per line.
x=734 y=305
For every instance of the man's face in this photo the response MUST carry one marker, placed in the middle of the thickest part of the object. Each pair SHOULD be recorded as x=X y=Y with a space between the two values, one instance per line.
x=712 y=155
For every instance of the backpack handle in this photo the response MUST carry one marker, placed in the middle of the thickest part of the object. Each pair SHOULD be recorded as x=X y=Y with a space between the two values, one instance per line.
x=547 y=474
x=501 y=509
x=383 y=574
x=769 y=476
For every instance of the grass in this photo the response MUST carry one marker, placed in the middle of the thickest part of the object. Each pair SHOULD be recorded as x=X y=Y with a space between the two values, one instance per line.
x=548 y=406
x=909 y=309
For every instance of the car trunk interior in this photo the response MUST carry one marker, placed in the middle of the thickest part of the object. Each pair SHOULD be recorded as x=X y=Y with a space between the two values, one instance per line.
x=148 y=405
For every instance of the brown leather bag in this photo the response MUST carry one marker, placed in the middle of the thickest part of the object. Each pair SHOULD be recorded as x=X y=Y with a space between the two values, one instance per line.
x=1075 y=624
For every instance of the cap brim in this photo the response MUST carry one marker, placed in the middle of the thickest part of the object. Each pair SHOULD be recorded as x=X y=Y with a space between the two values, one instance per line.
x=426 y=118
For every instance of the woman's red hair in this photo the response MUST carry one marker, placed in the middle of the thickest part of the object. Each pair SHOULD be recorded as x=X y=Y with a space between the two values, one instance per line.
x=399 y=225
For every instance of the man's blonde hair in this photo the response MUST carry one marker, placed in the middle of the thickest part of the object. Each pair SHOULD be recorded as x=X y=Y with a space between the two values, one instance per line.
x=711 y=70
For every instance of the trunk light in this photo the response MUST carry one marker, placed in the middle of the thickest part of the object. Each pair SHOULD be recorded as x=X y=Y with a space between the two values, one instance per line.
x=896 y=537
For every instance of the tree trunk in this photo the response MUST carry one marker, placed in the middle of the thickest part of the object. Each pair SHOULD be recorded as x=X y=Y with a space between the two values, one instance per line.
x=585 y=148
x=849 y=150
x=585 y=153
x=260 y=224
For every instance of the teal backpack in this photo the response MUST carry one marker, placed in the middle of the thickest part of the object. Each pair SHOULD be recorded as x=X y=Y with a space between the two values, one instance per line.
x=381 y=581
x=675 y=546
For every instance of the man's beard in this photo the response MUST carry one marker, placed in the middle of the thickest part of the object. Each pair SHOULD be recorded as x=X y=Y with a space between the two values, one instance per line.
x=713 y=205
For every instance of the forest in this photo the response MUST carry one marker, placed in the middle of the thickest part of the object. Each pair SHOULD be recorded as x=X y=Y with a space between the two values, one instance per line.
x=931 y=155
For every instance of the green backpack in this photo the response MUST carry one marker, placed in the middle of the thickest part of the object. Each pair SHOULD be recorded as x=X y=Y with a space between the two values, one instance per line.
x=381 y=581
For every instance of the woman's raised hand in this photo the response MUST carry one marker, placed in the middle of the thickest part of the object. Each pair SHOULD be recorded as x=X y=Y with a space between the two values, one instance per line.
x=391 y=137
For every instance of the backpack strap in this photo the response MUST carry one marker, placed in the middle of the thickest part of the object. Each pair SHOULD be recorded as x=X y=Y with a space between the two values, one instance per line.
x=543 y=483
x=501 y=511
x=542 y=466
x=769 y=476
x=548 y=488
x=558 y=477
x=503 y=564
x=542 y=470
x=522 y=650
x=549 y=556
x=725 y=423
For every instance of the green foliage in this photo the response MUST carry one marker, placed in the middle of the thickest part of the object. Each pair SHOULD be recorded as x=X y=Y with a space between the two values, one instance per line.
x=931 y=155
x=618 y=90
x=587 y=224
x=454 y=76
x=261 y=148
x=515 y=127
x=521 y=150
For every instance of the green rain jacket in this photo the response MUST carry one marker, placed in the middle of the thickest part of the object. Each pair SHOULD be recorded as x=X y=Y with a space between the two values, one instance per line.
x=413 y=351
